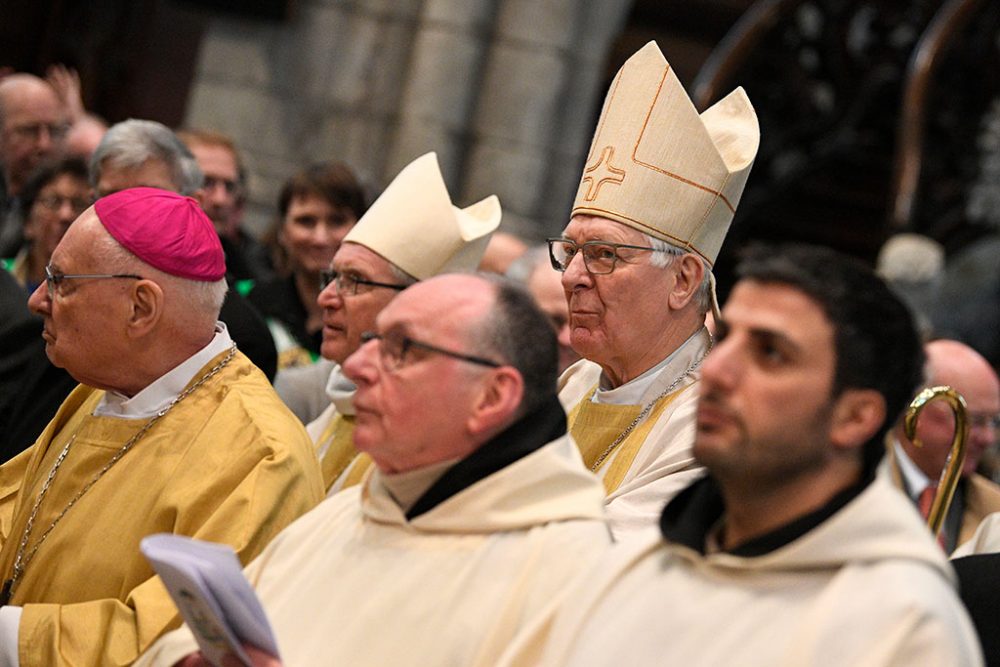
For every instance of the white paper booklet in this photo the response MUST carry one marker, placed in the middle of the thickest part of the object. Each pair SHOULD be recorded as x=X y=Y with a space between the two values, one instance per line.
x=206 y=582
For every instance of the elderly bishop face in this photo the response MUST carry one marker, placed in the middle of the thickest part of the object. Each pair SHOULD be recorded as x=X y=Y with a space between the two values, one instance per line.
x=83 y=302
x=620 y=320
x=106 y=281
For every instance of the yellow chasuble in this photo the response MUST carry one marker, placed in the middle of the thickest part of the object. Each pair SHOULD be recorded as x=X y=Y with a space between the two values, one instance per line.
x=343 y=466
x=654 y=462
x=229 y=463
x=338 y=440
x=596 y=426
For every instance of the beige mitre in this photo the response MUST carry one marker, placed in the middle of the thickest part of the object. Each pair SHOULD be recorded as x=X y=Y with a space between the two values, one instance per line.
x=658 y=166
x=414 y=225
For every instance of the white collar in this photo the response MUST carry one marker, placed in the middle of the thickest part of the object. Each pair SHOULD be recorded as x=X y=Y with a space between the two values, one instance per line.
x=341 y=390
x=166 y=388
x=631 y=392
x=915 y=479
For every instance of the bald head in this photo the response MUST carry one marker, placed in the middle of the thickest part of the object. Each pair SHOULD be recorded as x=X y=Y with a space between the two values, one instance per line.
x=957 y=365
x=32 y=127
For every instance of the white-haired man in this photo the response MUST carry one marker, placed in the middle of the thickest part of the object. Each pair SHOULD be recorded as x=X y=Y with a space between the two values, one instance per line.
x=171 y=430
x=410 y=233
x=657 y=196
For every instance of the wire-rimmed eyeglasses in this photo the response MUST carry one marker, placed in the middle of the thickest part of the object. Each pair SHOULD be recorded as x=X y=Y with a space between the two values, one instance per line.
x=600 y=257
x=54 y=280
x=347 y=283
x=393 y=348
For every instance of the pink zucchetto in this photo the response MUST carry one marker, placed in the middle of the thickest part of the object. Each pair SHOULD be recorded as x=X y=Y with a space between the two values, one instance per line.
x=166 y=230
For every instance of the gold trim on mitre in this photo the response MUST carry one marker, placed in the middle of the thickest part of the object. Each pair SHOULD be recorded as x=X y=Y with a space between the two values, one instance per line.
x=657 y=166
x=414 y=225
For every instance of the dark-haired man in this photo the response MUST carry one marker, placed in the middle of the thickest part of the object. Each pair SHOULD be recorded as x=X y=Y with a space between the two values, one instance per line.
x=791 y=551
x=478 y=512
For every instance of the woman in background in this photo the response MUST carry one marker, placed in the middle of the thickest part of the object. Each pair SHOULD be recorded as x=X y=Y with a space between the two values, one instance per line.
x=316 y=208
x=54 y=196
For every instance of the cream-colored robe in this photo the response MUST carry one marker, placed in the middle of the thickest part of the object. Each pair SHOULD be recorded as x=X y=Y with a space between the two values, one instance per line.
x=229 y=463
x=868 y=586
x=354 y=583
x=663 y=464
x=985 y=540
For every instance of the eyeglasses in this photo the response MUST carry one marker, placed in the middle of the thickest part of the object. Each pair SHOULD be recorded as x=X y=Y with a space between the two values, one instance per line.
x=54 y=280
x=599 y=257
x=55 y=202
x=33 y=131
x=393 y=349
x=984 y=420
x=347 y=283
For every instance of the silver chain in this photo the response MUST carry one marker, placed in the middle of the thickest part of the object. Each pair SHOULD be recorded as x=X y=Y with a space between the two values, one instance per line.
x=22 y=560
x=649 y=406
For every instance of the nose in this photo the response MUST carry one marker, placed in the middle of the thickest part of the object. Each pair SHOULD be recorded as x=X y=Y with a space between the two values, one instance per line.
x=330 y=296
x=39 y=302
x=361 y=367
x=323 y=234
x=216 y=192
x=44 y=142
x=66 y=211
x=721 y=367
x=576 y=276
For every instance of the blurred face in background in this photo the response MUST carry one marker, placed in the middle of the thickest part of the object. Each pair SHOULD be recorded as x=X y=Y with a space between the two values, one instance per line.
x=58 y=204
x=34 y=127
x=312 y=231
x=222 y=196
x=545 y=285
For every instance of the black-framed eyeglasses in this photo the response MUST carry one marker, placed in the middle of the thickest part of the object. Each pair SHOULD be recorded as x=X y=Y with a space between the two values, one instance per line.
x=599 y=257
x=393 y=349
x=54 y=280
x=348 y=283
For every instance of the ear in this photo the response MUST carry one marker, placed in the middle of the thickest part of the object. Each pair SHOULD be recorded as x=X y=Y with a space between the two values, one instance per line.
x=199 y=196
x=689 y=272
x=146 y=308
x=498 y=398
x=857 y=415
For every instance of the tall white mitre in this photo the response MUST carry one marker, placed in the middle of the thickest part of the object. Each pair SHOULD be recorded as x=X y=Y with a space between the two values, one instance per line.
x=658 y=166
x=414 y=225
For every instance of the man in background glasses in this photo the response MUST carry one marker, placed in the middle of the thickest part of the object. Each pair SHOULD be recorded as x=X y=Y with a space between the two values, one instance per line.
x=33 y=129
x=916 y=470
x=410 y=233
x=659 y=189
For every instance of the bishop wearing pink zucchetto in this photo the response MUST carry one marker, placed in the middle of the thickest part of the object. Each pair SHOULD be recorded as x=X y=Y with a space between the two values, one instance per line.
x=171 y=430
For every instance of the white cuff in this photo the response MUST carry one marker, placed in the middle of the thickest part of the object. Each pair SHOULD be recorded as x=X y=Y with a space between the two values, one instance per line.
x=10 y=620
